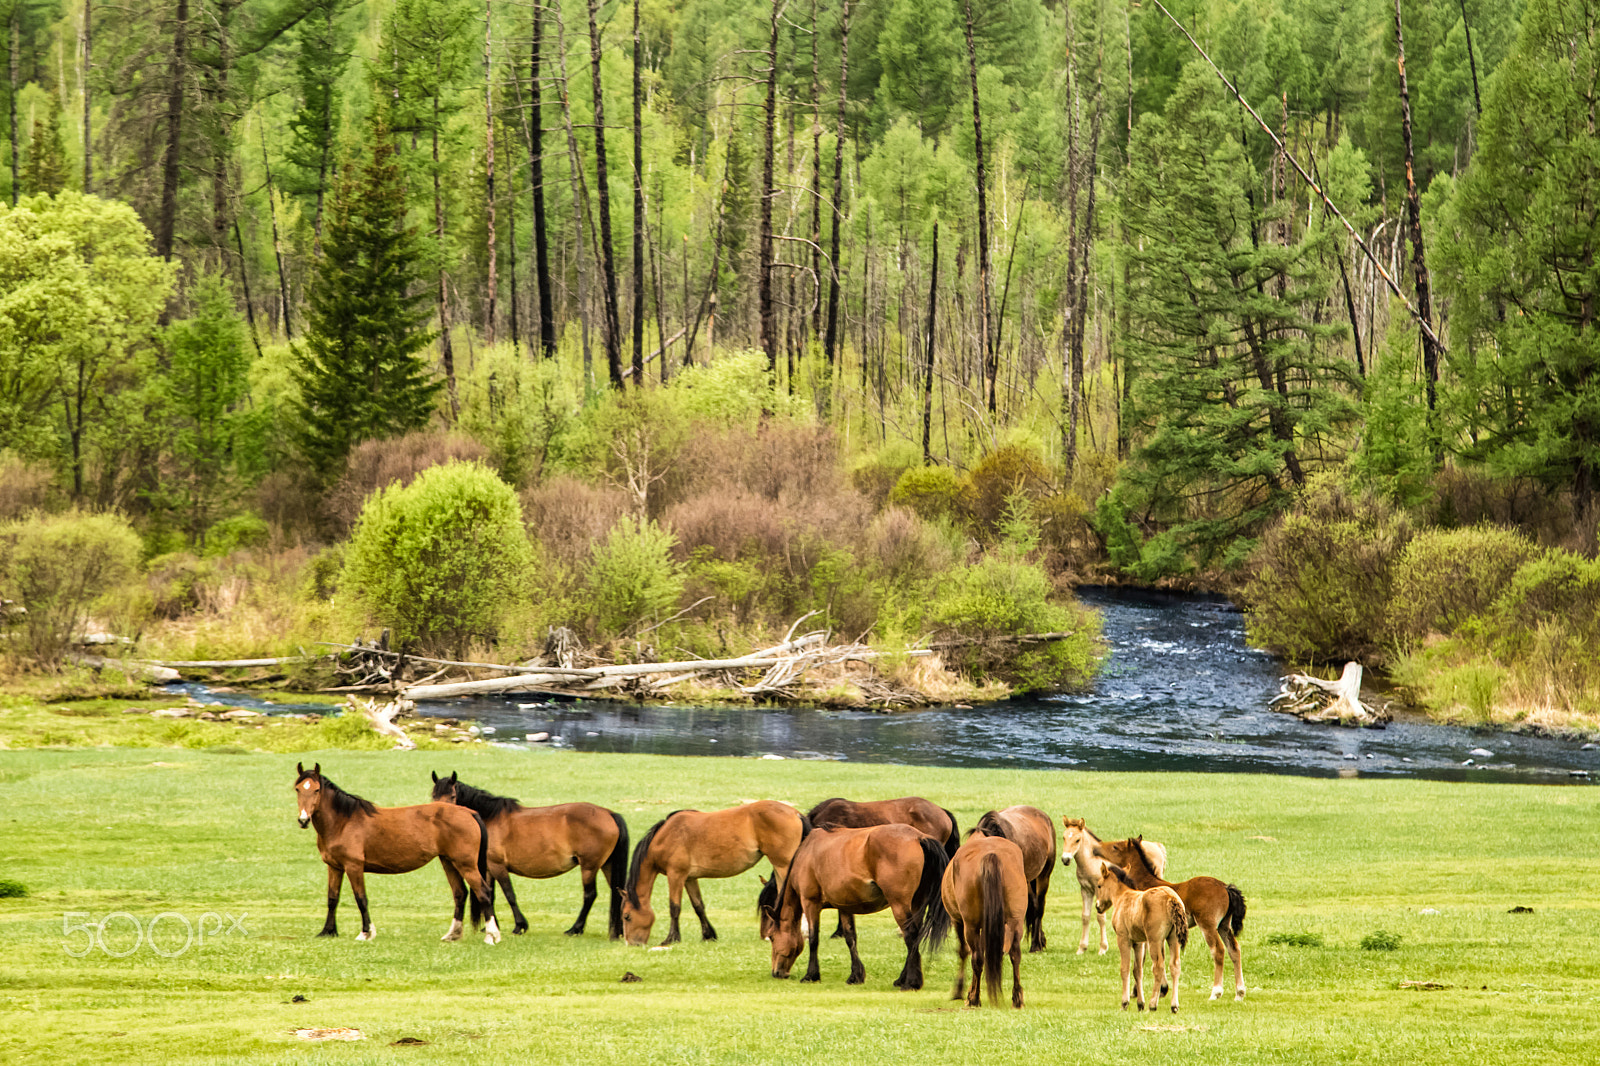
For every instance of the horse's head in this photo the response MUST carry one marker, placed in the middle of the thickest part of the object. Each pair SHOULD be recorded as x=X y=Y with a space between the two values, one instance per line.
x=638 y=918
x=308 y=792
x=787 y=939
x=1112 y=885
x=1075 y=835
x=444 y=788
x=767 y=906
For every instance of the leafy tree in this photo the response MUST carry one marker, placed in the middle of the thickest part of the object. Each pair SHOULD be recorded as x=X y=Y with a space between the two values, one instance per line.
x=920 y=50
x=46 y=171
x=360 y=372
x=438 y=561
x=1523 y=263
x=58 y=567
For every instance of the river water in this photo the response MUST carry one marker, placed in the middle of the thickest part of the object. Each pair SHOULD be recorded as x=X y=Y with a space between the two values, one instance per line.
x=1180 y=690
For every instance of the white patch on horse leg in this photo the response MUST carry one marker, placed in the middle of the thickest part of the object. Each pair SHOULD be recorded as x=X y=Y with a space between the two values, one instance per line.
x=805 y=928
x=369 y=933
x=491 y=934
x=455 y=931
x=1216 y=992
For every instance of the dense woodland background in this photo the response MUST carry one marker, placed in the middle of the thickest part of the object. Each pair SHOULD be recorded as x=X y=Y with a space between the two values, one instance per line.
x=1023 y=273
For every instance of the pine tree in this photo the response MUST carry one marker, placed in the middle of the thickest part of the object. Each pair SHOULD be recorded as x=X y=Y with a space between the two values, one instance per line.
x=360 y=372
x=47 y=169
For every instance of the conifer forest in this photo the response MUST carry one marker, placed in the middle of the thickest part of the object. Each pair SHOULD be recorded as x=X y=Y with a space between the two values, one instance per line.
x=912 y=313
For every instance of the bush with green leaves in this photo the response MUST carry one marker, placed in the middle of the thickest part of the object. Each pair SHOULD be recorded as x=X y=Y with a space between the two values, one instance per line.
x=933 y=492
x=1381 y=940
x=57 y=568
x=632 y=576
x=1446 y=577
x=439 y=561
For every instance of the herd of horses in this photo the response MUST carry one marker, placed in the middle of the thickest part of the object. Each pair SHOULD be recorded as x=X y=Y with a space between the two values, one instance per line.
x=905 y=855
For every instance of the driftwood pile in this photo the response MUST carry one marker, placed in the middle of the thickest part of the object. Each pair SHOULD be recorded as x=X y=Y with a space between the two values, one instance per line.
x=1315 y=700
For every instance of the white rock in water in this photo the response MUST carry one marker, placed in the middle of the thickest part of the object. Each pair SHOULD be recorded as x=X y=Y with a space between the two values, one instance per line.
x=241 y=713
x=1467 y=763
x=1481 y=753
x=536 y=738
x=474 y=730
x=488 y=730
x=769 y=755
x=172 y=712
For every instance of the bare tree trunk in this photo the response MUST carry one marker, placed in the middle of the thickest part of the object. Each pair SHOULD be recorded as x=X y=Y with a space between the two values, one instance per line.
x=277 y=243
x=541 y=235
x=447 y=351
x=987 y=348
x=769 y=322
x=1071 y=372
x=1079 y=291
x=580 y=198
x=88 y=65
x=167 y=220
x=927 y=375
x=325 y=155
x=608 y=264
x=492 y=282
x=1419 y=261
x=244 y=282
x=639 y=264
x=816 y=181
x=11 y=97
x=831 y=336
x=1472 y=60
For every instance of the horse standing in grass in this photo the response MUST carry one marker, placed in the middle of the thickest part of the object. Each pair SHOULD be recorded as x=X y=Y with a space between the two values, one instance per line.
x=920 y=814
x=986 y=891
x=862 y=871
x=1032 y=831
x=355 y=837
x=543 y=842
x=1079 y=844
x=1150 y=918
x=689 y=845
x=1216 y=907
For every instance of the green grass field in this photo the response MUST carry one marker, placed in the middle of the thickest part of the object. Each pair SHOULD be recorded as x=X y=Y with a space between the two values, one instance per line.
x=150 y=832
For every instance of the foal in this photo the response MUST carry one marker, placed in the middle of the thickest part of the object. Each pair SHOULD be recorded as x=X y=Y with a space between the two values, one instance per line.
x=1153 y=917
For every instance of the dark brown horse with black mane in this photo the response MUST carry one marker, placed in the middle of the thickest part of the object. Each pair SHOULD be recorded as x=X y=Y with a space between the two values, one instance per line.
x=1215 y=906
x=543 y=842
x=689 y=845
x=988 y=897
x=862 y=871
x=920 y=814
x=356 y=837
x=1031 y=830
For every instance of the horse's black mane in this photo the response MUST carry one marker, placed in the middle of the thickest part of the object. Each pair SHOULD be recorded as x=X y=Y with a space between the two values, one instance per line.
x=639 y=852
x=1137 y=843
x=991 y=826
x=1121 y=874
x=485 y=803
x=846 y=816
x=344 y=803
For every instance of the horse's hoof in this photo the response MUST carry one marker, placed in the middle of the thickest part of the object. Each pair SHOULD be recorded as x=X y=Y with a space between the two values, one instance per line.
x=855 y=979
x=1239 y=996
x=329 y=932
x=491 y=939
x=811 y=979
x=1216 y=994
x=709 y=936
x=1174 y=1008
x=574 y=931
x=518 y=930
x=1125 y=1005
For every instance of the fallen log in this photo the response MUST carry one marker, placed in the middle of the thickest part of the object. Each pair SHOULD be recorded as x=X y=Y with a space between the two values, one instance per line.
x=142 y=671
x=382 y=718
x=1313 y=699
x=222 y=664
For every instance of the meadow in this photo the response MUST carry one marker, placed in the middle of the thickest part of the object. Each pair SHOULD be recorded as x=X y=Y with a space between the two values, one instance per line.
x=1325 y=864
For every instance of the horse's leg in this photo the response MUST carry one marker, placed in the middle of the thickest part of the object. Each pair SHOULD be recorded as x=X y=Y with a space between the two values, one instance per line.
x=1036 y=935
x=335 y=880
x=358 y=885
x=1125 y=949
x=1232 y=943
x=1214 y=942
x=699 y=905
x=483 y=893
x=1177 y=966
x=858 y=971
x=910 y=978
x=1088 y=910
x=674 y=907
x=959 y=931
x=589 y=893
x=811 y=910
x=1103 y=946
x=458 y=891
x=979 y=961
x=1014 y=949
x=1158 y=972
x=502 y=877
x=1138 y=973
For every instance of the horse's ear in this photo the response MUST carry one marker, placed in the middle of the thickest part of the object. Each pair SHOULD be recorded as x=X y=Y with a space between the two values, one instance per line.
x=300 y=768
x=452 y=777
x=316 y=770
x=435 y=777
x=763 y=880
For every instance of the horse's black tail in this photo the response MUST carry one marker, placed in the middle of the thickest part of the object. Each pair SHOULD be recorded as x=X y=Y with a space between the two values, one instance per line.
x=991 y=892
x=927 y=904
x=479 y=907
x=953 y=841
x=1233 y=921
x=617 y=875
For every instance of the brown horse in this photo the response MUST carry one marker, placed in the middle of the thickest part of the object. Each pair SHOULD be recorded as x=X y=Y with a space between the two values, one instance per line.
x=1031 y=830
x=1152 y=917
x=862 y=871
x=689 y=845
x=1216 y=907
x=546 y=841
x=1079 y=844
x=356 y=837
x=986 y=891
x=920 y=814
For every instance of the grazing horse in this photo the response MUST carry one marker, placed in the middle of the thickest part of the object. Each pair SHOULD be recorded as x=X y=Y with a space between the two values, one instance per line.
x=356 y=837
x=1216 y=907
x=1031 y=830
x=547 y=841
x=986 y=891
x=1153 y=917
x=862 y=871
x=689 y=845
x=920 y=814
x=1079 y=844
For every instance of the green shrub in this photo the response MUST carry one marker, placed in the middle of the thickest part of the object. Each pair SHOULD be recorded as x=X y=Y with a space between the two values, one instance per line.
x=519 y=410
x=934 y=493
x=1380 y=941
x=1321 y=576
x=1446 y=577
x=878 y=475
x=58 y=568
x=733 y=391
x=10 y=889
x=232 y=534
x=632 y=576
x=438 y=561
x=1007 y=470
x=1296 y=940
x=1552 y=586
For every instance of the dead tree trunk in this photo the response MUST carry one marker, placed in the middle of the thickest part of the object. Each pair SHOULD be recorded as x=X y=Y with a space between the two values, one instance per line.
x=608 y=258
x=1419 y=259
x=167 y=219
x=831 y=337
x=541 y=232
x=277 y=242
x=816 y=181
x=492 y=282
x=987 y=352
x=927 y=373
x=88 y=65
x=769 y=321
x=639 y=264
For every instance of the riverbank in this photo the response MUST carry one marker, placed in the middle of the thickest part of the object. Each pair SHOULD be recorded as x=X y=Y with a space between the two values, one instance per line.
x=97 y=833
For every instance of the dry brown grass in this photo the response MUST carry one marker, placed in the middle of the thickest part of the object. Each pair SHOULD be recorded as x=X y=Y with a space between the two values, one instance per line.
x=377 y=464
x=566 y=517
